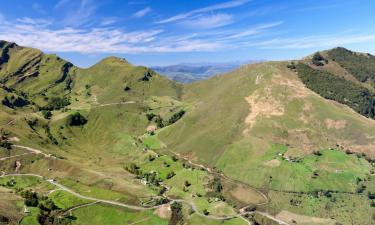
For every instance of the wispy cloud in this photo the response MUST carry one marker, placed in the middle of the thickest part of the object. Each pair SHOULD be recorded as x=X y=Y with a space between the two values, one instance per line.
x=210 y=21
x=80 y=11
x=61 y=3
x=254 y=30
x=321 y=41
x=211 y=8
x=96 y=40
x=142 y=12
x=34 y=21
x=109 y=21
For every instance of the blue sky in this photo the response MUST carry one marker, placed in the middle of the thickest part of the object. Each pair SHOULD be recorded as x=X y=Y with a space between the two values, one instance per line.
x=163 y=32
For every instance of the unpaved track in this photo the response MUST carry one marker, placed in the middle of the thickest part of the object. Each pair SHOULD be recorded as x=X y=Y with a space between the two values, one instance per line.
x=15 y=156
x=140 y=208
x=35 y=151
x=221 y=174
x=84 y=205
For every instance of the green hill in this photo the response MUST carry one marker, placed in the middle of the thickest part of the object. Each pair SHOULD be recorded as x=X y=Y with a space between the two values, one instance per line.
x=282 y=137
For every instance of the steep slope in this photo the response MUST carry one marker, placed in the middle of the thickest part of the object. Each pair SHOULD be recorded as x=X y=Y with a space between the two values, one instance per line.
x=341 y=75
x=244 y=121
x=114 y=79
x=257 y=135
x=35 y=74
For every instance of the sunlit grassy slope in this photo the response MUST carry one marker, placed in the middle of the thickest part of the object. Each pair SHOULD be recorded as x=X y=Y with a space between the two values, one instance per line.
x=258 y=124
x=236 y=120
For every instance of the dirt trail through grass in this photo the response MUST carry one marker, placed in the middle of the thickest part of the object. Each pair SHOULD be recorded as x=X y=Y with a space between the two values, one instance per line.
x=139 y=208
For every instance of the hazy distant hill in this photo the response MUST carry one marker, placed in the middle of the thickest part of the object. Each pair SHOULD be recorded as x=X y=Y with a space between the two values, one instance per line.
x=190 y=72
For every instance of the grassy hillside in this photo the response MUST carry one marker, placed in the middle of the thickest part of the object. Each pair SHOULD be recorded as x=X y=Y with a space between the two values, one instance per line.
x=124 y=133
x=361 y=65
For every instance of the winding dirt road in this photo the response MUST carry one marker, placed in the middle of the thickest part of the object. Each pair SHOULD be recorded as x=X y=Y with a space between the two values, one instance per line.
x=140 y=208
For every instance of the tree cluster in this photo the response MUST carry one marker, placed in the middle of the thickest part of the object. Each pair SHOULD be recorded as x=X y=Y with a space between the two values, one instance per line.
x=76 y=119
x=362 y=66
x=336 y=88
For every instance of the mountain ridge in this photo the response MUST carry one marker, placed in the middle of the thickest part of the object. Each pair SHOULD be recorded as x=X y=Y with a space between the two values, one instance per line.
x=126 y=133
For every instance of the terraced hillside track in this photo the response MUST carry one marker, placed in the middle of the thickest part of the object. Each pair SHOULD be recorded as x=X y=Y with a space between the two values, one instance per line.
x=140 y=208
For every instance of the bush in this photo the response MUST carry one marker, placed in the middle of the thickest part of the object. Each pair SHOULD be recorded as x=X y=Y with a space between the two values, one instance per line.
x=177 y=215
x=56 y=103
x=170 y=175
x=14 y=101
x=4 y=219
x=150 y=116
x=318 y=59
x=360 y=65
x=31 y=198
x=175 y=117
x=77 y=119
x=47 y=114
x=338 y=89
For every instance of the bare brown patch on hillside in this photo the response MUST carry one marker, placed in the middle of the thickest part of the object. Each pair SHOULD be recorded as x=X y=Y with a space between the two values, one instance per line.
x=335 y=124
x=289 y=217
x=246 y=195
x=265 y=103
x=164 y=211
x=272 y=163
x=296 y=87
x=262 y=106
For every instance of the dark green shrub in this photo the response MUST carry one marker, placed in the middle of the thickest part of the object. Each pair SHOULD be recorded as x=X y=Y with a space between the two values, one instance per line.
x=76 y=119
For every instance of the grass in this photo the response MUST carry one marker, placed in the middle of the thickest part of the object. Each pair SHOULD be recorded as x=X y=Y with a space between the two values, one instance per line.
x=96 y=192
x=212 y=132
x=344 y=208
x=25 y=182
x=195 y=219
x=32 y=218
x=105 y=215
x=65 y=200
x=197 y=179
x=152 y=142
x=336 y=171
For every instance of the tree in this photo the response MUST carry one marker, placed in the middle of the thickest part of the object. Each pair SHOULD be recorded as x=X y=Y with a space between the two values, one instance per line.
x=177 y=215
x=170 y=175
x=176 y=117
x=318 y=59
x=150 y=116
x=77 y=119
x=31 y=198
x=187 y=183
x=47 y=114
x=14 y=101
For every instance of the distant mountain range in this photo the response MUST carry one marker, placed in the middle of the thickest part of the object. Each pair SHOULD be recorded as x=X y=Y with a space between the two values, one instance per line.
x=190 y=72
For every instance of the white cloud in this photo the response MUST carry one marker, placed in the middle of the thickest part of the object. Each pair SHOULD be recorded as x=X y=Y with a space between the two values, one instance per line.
x=108 y=21
x=254 y=30
x=211 y=8
x=142 y=12
x=31 y=21
x=28 y=32
x=211 y=21
x=326 y=41
x=79 y=13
